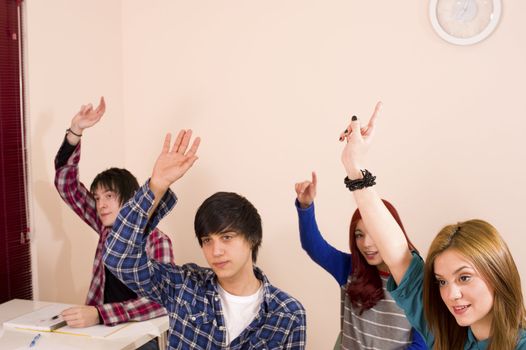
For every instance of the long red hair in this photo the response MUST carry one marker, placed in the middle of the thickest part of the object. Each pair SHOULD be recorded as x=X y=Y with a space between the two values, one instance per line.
x=365 y=288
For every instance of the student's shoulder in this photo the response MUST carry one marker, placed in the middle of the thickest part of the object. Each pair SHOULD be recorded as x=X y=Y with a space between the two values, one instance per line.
x=281 y=301
x=157 y=235
x=196 y=272
x=521 y=344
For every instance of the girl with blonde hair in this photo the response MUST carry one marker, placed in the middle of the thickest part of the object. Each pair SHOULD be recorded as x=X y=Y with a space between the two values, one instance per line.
x=479 y=244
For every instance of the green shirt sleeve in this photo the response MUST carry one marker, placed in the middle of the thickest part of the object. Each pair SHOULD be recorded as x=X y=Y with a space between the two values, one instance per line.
x=408 y=295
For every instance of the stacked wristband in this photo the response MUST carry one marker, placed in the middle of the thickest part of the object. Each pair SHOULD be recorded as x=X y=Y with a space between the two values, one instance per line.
x=366 y=181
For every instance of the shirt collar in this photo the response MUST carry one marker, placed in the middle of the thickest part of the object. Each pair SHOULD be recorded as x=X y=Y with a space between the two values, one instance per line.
x=211 y=279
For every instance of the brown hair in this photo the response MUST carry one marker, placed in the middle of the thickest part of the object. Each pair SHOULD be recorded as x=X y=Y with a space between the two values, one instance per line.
x=480 y=243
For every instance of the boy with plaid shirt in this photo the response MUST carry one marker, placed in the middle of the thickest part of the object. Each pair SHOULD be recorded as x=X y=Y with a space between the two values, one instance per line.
x=108 y=301
x=230 y=305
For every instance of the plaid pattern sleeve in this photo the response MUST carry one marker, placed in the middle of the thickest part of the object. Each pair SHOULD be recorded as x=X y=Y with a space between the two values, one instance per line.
x=140 y=309
x=189 y=292
x=73 y=192
x=159 y=248
x=127 y=243
x=296 y=340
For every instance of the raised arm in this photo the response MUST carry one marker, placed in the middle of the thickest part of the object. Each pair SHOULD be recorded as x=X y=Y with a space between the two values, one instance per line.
x=159 y=248
x=382 y=227
x=67 y=182
x=125 y=253
x=335 y=262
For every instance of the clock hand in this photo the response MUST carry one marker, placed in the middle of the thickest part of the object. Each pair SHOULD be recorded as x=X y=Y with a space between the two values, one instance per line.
x=467 y=11
x=460 y=13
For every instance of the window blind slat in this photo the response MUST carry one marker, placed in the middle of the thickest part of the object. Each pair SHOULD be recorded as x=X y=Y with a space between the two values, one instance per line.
x=15 y=258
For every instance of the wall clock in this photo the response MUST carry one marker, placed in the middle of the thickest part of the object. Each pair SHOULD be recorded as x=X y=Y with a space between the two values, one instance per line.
x=464 y=22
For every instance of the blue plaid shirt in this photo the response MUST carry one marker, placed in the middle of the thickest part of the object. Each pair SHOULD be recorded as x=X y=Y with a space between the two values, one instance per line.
x=189 y=292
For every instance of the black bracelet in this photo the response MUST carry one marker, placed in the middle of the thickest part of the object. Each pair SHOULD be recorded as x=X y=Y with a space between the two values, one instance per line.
x=366 y=181
x=71 y=131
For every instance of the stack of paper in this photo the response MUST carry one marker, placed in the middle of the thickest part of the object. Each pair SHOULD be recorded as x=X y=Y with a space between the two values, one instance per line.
x=48 y=319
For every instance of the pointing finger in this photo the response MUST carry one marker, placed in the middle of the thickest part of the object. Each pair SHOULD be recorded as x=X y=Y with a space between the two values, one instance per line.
x=376 y=113
x=369 y=130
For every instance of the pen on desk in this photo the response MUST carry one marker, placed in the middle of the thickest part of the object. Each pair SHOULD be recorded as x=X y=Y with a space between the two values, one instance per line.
x=34 y=341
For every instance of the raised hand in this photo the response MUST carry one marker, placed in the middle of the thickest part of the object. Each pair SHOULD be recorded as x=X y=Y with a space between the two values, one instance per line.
x=87 y=116
x=173 y=163
x=368 y=130
x=358 y=143
x=306 y=191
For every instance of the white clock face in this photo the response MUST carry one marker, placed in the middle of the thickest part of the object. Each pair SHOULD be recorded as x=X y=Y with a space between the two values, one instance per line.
x=464 y=21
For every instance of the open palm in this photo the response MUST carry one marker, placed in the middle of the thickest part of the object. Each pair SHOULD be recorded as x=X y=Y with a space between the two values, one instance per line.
x=173 y=163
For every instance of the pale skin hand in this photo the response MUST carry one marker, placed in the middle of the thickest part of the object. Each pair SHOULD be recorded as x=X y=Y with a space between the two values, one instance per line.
x=353 y=156
x=382 y=227
x=354 y=152
x=81 y=316
x=306 y=191
x=85 y=118
x=173 y=163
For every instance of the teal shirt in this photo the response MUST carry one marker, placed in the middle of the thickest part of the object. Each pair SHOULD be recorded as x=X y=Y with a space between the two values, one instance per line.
x=408 y=295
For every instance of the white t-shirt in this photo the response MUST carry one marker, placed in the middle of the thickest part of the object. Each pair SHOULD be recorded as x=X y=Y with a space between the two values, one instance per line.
x=239 y=311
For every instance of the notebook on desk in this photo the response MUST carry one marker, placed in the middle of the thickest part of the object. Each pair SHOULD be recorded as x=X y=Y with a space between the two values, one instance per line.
x=45 y=319
x=48 y=319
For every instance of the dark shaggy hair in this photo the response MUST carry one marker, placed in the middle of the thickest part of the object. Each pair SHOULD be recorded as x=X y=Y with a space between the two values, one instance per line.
x=120 y=181
x=228 y=211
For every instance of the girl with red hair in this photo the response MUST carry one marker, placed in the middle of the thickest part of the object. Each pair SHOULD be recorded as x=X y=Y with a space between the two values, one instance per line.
x=370 y=318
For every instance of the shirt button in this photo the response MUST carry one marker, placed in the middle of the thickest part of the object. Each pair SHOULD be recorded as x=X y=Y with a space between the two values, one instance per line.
x=216 y=299
x=221 y=328
x=193 y=318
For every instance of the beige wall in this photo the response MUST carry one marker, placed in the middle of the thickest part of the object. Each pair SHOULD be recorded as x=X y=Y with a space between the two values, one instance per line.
x=269 y=86
x=74 y=55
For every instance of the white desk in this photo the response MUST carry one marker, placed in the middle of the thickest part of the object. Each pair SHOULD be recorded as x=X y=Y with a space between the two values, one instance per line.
x=128 y=338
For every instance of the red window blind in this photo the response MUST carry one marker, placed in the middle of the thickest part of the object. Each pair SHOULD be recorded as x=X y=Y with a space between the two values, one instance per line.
x=15 y=258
